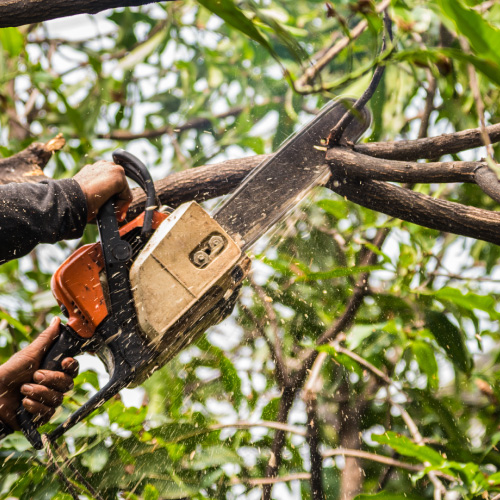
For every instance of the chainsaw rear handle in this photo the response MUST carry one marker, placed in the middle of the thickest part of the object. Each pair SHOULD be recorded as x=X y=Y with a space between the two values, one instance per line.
x=68 y=344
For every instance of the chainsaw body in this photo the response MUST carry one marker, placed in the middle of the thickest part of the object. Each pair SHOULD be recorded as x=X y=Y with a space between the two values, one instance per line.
x=143 y=293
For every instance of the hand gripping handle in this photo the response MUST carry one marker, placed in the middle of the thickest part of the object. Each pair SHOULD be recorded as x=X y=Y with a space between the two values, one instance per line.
x=68 y=344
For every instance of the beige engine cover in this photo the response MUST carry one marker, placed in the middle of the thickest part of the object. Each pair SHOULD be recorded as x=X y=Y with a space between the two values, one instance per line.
x=186 y=256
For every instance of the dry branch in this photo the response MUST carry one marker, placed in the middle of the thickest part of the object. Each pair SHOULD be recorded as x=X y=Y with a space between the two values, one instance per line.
x=19 y=12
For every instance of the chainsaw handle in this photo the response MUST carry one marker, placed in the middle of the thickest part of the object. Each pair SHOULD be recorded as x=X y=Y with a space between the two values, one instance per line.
x=137 y=171
x=67 y=344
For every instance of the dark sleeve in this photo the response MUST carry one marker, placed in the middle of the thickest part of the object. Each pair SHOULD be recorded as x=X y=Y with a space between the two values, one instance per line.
x=44 y=212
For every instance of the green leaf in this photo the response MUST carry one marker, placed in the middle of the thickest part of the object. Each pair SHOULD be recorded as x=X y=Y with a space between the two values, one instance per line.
x=342 y=359
x=150 y=492
x=270 y=411
x=451 y=339
x=337 y=208
x=214 y=456
x=469 y=300
x=482 y=36
x=96 y=458
x=141 y=52
x=424 y=354
x=487 y=67
x=405 y=446
x=359 y=333
x=127 y=418
x=232 y=15
x=16 y=324
x=12 y=41
x=231 y=380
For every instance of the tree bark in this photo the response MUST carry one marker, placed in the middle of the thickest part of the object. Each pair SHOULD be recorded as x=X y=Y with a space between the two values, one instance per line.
x=431 y=147
x=19 y=12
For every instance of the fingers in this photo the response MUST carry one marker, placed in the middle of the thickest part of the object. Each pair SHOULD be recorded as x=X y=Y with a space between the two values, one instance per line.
x=58 y=381
x=41 y=394
x=41 y=412
x=70 y=366
x=42 y=398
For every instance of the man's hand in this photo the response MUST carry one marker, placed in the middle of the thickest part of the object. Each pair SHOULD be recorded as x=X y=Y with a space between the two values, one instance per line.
x=101 y=181
x=17 y=376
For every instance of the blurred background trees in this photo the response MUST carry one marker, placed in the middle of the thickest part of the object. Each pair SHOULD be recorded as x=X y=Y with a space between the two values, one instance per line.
x=403 y=402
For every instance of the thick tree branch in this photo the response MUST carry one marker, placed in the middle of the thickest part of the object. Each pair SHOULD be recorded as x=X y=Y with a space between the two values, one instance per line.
x=421 y=209
x=19 y=12
x=201 y=183
x=28 y=165
x=431 y=147
x=353 y=164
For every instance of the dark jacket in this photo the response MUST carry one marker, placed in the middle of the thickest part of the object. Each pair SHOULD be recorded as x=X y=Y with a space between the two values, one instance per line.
x=45 y=212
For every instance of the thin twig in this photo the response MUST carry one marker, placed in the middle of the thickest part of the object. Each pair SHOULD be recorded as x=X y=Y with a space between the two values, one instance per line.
x=429 y=105
x=362 y=362
x=373 y=457
x=474 y=85
x=327 y=57
x=260 y=481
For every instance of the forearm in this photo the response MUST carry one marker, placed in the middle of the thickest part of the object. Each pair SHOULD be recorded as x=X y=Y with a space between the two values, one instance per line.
x=45 y=212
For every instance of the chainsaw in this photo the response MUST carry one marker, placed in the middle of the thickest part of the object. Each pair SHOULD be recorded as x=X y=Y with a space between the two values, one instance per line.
x=153 y=286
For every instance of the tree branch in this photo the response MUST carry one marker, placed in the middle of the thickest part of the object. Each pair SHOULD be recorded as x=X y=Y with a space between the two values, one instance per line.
x=28 y=165
x=420 y=209
x=352 y=164
x=313 y=440
x=19 y=12
x=429 y=147
x=349 y=115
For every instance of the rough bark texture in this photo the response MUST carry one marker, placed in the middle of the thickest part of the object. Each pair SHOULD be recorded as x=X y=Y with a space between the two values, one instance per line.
x=28 y=165
x=421 y=209
x=432 y=147
x=210 y=181
x=19 y=12
x=201 y=183
x=353 y=164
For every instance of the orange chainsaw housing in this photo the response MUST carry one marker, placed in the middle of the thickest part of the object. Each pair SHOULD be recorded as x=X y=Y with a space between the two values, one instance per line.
x=77 y=287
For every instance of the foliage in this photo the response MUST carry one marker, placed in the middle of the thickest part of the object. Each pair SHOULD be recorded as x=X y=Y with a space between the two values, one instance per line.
x=429 y=319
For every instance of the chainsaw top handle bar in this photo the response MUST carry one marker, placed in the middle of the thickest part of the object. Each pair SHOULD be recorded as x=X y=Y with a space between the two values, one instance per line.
x=137 y=171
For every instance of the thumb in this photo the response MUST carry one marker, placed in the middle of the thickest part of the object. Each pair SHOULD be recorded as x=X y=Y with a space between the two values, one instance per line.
x=37 y=349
